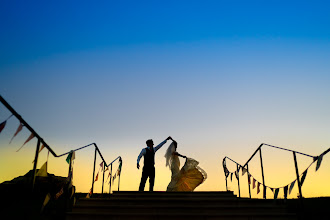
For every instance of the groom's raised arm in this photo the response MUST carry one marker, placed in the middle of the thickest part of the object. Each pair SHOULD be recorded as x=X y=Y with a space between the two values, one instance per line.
x=161 y=144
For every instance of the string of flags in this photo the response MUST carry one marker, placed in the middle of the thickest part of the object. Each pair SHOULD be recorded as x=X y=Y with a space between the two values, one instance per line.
x=287 y=189
x=18 y=130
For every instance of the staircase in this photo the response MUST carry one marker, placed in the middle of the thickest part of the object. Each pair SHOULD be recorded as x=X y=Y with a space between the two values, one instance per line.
x=177 y=205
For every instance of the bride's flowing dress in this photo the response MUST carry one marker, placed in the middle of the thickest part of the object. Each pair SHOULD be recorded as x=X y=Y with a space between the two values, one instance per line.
x=188 y=178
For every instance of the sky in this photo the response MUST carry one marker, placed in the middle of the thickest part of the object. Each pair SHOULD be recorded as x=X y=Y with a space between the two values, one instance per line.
x=220 y=77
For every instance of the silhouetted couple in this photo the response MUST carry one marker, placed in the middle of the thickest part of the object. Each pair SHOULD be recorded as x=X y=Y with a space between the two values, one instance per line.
x=185 y=179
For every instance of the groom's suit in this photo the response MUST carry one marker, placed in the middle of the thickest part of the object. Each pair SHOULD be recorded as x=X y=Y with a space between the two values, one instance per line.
x=149 y=165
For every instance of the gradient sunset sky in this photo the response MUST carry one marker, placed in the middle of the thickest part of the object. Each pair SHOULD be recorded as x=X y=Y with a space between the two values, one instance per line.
x=220 y=77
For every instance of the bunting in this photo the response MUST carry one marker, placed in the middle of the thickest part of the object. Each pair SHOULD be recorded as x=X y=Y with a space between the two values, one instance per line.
x=303 y=178
x=285 y=189
x=59 y=193
x=254 y=183
x=43 y=170
x=20 y=127
x=97 y=177
x=27 y=140
x=46 y=200
x=258 y=188
x=276 y=193
x=291 y=186
x=244 y=170
x=318 y=163
x=2 y=125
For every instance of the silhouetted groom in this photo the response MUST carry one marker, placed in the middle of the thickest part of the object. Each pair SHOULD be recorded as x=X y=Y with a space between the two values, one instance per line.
x=149 y=163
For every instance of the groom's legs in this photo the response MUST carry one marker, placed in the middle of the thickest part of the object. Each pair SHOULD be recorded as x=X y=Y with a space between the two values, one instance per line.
x=151 y=179
x=143 y=179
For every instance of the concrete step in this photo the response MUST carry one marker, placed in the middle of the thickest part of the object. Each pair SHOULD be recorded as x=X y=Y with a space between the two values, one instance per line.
x=180 y=216
x=177 y=205
x=182 y=208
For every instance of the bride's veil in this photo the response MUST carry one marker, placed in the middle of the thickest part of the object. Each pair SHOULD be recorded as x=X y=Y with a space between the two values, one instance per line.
x=168 y=154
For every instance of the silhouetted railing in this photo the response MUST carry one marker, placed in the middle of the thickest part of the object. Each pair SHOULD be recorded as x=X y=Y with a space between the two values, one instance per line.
x=41 y=141
x=111 y=176
x=245 y=167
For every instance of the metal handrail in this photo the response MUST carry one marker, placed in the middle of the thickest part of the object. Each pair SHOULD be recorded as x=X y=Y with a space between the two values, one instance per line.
x=41 y=141
x=259 y=150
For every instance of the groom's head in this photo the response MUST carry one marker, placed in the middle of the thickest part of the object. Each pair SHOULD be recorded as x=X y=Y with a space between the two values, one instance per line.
x=150 y=143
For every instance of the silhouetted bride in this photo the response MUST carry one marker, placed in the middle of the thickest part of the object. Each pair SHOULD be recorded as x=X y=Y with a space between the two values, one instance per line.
x=189 y=177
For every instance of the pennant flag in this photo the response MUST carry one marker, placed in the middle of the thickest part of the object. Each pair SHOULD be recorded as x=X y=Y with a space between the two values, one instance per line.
x=249 y=179
x=59 y=193
x=27 y=140
x=291 y=186
x=254 y=183
x=303 y=178
x=236 y=174
x=101 y=165
x=97 y=177
x=43 y=170
x=106 y=169
x=20 y=127
x=113 y=178
x=42 y=147
x=272 y=189
x=258 y=188
x=276 y=193
x=318 y=163
x=2 y=125
x=47 y=198
x=243 y=171
x=89 y=193
x=286 y=191
x=68 y=158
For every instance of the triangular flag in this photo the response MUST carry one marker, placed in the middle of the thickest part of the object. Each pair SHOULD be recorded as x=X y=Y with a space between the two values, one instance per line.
x=59 y=193
x=42 y=147
x=68 y=158
x=43 y=170
x=276 y=193
x=291 y=186
x=249 y=179
x=285 y=189
x=258 y=188
x=106 y=169
x=20 y=127
x=254 y=183
x=47 y=198
x=244 y=170
x=236 y=173
x=319 y=160
x=27 y=140
x=2 y=125
x=101 y=165
x=97 y=177
x=303 y=178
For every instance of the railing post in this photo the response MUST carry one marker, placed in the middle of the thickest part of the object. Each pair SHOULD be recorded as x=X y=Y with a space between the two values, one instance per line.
x=94 y=171
x=239 y=188
x=119 y=181
x=247 y=169
x=297 y=173
x=35 y=164
x=262 y=172
x=103 y=176
x=226 y=184
x=110 y=178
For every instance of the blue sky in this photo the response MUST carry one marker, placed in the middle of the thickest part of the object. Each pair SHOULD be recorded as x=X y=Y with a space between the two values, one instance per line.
x=212 y=74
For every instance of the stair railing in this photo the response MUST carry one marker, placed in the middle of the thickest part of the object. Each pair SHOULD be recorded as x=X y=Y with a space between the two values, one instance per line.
x=41 y=141
x=246 y=167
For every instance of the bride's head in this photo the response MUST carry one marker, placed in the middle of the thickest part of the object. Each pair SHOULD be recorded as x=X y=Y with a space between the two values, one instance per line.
x=169 y=152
